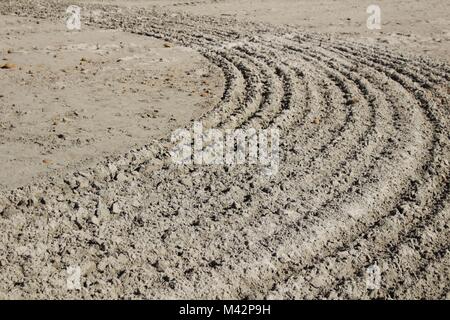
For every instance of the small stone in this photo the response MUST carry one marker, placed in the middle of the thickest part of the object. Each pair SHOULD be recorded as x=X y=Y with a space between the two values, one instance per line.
x=9 y=212
x=95 y=220
x=83 y=183
x=102 y=209
x=214 y=264
x=22 y=251
x=84 y=174
x=122 y=259
x=8 y=65
x=115 y=208
x=101 y=266
x=160 y=266
x=112 y=169
x=101 y=172
x=404 y=208
x=72 y=182
x=81 y=215
x=352 y=101
x=136 y=203
x=318 y=282
x=88 y=267
x=235 y=205
x=187 y=181
x=168 y=45
x=121 y=177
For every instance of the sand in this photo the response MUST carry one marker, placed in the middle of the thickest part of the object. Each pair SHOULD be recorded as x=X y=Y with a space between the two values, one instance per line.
x=361 y=192
x=74 y=97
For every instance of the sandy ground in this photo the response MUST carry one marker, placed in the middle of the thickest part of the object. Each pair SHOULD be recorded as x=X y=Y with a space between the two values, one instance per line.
x=407 y=25
x=88 y=94
x=363 y=180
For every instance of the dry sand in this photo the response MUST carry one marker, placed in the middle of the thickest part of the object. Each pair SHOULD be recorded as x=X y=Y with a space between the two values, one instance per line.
x=363 y=179
x=87 y=94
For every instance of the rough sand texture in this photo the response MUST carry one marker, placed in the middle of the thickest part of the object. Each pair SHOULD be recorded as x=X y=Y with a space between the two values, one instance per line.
x=363 y=180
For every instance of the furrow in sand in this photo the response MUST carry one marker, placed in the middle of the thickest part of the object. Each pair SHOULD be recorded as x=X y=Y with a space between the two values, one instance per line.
x=401 y=238
x=275 y=99
x=233 y=92
x=433 y=71
x=256 y=76
x=433 y=281
x=251 y=86
x=427 y=68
